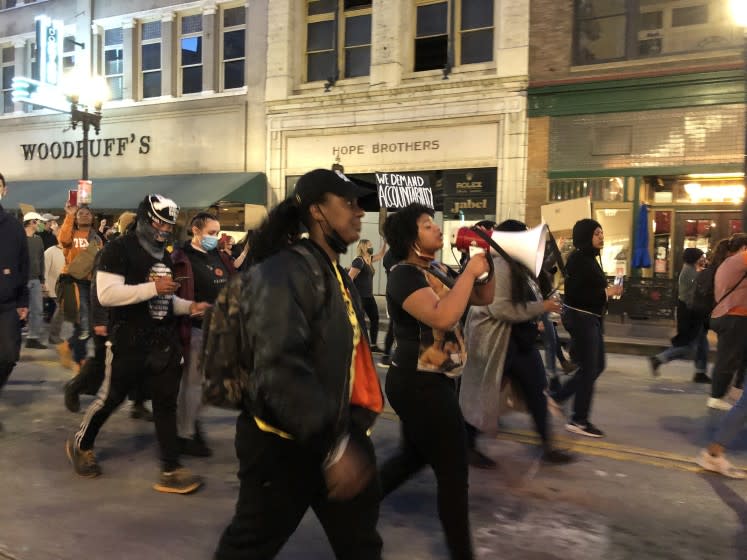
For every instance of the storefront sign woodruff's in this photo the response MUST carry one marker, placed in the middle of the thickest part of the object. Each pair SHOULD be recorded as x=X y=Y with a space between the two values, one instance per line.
x=98 y=147
x=397 y=190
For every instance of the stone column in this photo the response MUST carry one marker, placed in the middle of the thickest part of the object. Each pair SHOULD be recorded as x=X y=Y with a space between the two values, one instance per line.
x=388 y=27
x=169 y=58
x=209 y=33
x=21 y=64
x=130 y=68
x=283 y=69
x=255 y=72
x=511 y=38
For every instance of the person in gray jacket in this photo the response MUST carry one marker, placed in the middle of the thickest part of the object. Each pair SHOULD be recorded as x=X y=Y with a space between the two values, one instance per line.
x=501 y=341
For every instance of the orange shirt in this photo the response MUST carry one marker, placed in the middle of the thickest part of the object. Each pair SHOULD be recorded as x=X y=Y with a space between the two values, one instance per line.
x=73 y=241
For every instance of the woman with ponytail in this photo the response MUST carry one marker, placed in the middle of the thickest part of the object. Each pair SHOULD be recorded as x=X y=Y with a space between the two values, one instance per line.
x=302 y=438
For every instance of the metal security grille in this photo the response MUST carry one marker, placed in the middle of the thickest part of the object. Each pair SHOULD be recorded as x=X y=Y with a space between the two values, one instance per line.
x=663 y=138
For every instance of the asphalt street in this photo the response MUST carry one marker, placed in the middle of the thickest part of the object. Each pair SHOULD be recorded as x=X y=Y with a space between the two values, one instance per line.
x=635 y=494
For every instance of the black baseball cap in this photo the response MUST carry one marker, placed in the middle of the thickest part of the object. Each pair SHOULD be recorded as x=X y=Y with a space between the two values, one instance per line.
x=312 y=186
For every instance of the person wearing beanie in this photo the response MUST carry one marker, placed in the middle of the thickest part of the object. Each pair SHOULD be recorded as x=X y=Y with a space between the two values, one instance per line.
x=691 y=325
x=135 y=281
x=585 y=304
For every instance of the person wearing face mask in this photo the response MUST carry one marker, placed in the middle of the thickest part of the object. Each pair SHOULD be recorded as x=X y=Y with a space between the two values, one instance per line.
x=302 y=437
x=362 y=272
x=135 y=281
x=204 y=271
x=426 y=304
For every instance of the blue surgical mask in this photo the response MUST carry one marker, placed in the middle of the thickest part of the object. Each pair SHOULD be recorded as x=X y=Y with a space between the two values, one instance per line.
x=209 y=242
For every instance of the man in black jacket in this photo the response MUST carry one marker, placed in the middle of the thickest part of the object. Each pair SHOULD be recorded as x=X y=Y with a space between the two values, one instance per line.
x=14 y=292
x=585 y=304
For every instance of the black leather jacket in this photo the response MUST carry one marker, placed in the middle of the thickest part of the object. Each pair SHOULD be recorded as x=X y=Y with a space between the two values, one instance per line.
x=303 y=343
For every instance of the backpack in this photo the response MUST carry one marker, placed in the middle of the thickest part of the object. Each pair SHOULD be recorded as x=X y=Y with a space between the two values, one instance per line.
x=81 y=266
x=227 y=357
x=704 y=299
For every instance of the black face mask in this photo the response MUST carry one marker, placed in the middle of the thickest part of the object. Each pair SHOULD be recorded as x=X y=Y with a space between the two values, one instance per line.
x=333 y=239
x=369 y=250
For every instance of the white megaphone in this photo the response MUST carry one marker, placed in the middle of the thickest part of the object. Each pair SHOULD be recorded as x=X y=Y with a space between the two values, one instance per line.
x=526 y=247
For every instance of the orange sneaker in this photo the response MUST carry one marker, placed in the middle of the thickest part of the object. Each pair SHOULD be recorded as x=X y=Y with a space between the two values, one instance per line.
x=66 y=355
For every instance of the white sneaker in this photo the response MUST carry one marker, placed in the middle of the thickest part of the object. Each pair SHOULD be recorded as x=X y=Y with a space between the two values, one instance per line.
x=719 y=465
x=718 y=404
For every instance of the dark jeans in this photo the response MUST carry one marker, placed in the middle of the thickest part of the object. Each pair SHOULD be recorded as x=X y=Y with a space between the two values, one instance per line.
x=372 y=312
x=588 y=352
x=525 y=369
x=433 y=433
x=158 y=363
x=280 y=480
x=79 y=340
x=732 y=336
x=10 y=343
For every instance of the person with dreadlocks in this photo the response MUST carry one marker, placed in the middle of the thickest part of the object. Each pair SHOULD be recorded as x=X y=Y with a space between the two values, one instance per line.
x=135 y=281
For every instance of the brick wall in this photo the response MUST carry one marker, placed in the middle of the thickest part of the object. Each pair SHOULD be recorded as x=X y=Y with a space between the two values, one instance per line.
x=537 y=162
x=550 y=39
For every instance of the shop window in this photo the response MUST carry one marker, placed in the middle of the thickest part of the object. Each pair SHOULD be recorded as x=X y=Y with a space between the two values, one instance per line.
x=600 y=189
x=608 y=30
x=150 y=59
x=113 y=61
x=617 y=224
x=473 y=24
x=234 y=47
x=8 y=72
x=68 y=54
x=338 y=37
x=191 y=54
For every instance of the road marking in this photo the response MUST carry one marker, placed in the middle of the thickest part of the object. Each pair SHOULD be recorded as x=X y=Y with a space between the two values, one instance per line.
x=598 y=448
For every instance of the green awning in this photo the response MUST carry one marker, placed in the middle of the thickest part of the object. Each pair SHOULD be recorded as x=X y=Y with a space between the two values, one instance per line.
x=196 y=191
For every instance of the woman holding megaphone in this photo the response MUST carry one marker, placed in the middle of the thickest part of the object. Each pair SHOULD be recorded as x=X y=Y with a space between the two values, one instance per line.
x=426 y=302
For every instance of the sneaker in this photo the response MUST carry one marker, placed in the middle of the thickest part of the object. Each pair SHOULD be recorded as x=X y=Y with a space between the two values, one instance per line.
x=654 y=362
x=386 y=360
x=555 y=408
x=55 y=340
x=84 y=462
x=178 y=481
x=701 y=377
x=480 y=460
x=557 y=457
x=719 y=465
x=66 y=355
x=141 y=412
x=35 y=344
x=569 y=367
x=718 y=404
x=72 y=397
x=586 y=429
x=194 y=446
x=734 y=394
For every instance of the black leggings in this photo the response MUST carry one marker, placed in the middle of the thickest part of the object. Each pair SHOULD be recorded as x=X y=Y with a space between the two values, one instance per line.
x=433 y=433
x=372 y=312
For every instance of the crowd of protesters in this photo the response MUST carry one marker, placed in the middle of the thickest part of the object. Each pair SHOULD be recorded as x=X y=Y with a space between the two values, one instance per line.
x=456 y=345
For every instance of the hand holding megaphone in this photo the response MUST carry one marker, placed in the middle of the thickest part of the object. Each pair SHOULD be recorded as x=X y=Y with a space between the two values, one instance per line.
x=478 y=266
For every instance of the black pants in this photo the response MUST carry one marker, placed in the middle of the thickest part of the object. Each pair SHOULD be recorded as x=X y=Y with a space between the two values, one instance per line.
x=372 y=312
x=526 y=370
x=10 y=343
x=588 y=352
x=433 y=433
x=732 y=336
x=157 y=360
x=389 y=339
x=280 y=480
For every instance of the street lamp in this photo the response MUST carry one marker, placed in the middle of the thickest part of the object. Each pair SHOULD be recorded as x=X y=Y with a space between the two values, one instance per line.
x=739 y=16
x=95 y=93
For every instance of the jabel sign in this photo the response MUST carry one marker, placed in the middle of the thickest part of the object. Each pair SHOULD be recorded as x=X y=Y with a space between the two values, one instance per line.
x=50 y=35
